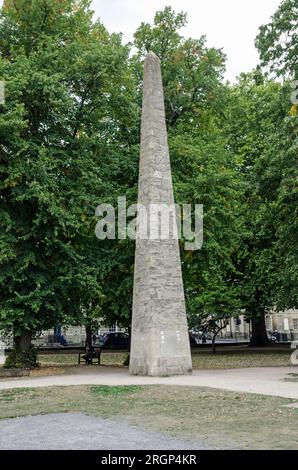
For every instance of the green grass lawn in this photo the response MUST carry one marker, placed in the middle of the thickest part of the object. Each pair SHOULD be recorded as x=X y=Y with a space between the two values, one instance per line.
x=201 y=359
x=107 y=358
x=237 y=359
x=221 y=419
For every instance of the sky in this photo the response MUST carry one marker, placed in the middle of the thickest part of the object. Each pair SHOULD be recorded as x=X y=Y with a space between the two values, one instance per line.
x=228 y=24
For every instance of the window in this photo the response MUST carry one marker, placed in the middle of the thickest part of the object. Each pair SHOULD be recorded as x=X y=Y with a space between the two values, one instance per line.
x=295 y=323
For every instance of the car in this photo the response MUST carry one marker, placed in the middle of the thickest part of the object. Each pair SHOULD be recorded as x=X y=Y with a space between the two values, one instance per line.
x=115 y=341
x=203 y=334
x=271 y=336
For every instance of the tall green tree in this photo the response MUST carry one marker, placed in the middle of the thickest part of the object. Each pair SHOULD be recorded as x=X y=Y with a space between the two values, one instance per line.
x=277 y=41
x=67 y=105
x=286 y=212
x=255 y=115
x=278 y=48
x=191 y=71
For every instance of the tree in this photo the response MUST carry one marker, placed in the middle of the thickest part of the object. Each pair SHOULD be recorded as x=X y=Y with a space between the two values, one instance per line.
x=256 y=114
x=277 y=41
x=205 y=173
x=67 y=106
x=216 y=304
x=191 y=71
x=278 y=49
x=285 y=211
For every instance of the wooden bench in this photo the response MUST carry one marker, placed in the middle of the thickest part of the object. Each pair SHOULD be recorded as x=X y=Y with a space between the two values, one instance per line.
x=89 y=359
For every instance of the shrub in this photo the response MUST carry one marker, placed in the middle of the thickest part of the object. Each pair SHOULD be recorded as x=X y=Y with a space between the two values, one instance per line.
x=126 y=360
x=22 y=360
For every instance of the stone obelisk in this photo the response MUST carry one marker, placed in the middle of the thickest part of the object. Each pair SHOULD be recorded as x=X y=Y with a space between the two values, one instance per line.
x=160 y=340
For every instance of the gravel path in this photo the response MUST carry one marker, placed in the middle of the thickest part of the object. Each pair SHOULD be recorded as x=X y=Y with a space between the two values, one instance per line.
x=74 y=431
x=260 y=380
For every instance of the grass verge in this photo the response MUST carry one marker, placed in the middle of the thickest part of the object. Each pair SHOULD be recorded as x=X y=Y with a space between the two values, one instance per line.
x=201 y=359
x=221 y=419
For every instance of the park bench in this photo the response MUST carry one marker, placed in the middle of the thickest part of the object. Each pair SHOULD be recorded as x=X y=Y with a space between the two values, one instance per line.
x=91 y=356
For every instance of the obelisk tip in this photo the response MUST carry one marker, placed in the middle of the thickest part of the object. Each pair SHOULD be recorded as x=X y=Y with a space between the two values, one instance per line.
x=152 y=56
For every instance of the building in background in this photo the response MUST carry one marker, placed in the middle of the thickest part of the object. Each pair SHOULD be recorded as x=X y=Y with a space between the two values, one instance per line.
x=283 y=325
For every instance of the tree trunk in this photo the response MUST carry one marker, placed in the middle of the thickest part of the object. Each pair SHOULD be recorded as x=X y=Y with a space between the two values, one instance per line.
x=23 y=341
x=88 y=341
x=258 y=331
x=213 y=343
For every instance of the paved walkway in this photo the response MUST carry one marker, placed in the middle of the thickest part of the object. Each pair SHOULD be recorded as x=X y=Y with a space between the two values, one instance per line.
x=74 y=431
x=260 y=380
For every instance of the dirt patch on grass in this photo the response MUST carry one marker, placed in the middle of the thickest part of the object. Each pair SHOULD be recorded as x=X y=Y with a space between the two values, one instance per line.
x=221 y=419
x=107 y=359
x=59 y=364
x=201 y=359
x=47 y=371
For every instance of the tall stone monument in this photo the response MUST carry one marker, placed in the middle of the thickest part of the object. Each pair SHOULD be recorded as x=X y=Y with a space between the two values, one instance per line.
x=2 y=352
x=160 y=341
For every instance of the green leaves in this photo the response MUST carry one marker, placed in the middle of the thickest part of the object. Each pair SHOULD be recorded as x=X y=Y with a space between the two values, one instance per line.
x=69 y=140
x=63 y=123
x=191 y=71
x=277 y=41
x=262 y=133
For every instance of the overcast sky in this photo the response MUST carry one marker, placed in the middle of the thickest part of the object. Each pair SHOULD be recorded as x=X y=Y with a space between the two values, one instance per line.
x=228 y=24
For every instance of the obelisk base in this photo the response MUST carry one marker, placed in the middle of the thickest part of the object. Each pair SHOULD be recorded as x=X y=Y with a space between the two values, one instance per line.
x=159 y=353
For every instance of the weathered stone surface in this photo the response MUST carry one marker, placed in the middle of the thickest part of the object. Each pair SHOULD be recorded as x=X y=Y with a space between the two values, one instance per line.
x=160 y=341
x=2 y=352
